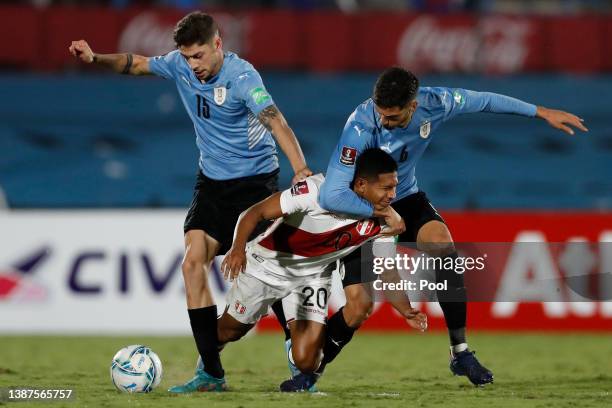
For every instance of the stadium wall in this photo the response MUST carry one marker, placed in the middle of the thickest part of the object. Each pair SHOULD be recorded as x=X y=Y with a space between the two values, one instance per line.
x=119 y=272
x=494 y=44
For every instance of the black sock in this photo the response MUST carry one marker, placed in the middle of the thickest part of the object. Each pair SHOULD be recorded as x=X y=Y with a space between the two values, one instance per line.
x=337 y=336
x=204 y=326
x=453 y=300
x=277 y=307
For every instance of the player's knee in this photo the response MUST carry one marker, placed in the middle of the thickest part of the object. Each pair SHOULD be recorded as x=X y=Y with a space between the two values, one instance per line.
x=193 y=269
x=439 y=244
x=190 y=266
x=357 y=311
x=435 y=239
x=306 y=360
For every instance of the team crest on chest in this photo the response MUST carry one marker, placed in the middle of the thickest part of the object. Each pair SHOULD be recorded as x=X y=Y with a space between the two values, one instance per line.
x=365 y=227
x=220 y=93
x=425 y=129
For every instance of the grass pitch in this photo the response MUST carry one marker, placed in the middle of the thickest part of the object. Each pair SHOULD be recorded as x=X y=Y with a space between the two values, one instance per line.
x=403 y=370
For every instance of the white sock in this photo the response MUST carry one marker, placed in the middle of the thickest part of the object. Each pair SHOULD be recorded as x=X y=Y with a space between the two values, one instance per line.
x=290 y=355
x=458 y=348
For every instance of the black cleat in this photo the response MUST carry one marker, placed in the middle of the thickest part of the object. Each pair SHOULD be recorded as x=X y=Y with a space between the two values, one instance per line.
x=465 y=363
x=300 y=383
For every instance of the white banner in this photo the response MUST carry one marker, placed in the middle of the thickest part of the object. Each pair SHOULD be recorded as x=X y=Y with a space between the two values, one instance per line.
x=98 y=272
x=94 y=272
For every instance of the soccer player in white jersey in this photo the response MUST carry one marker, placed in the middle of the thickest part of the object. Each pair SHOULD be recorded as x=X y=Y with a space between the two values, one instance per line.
x=294 y=258
x=236 y=123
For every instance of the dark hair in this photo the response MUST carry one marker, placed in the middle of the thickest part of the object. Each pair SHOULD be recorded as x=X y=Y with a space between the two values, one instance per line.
x=395 y=87
x=372 y=162
x=195 y=28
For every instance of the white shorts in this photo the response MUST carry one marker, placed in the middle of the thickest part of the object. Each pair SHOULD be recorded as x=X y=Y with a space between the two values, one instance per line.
x=256 y=289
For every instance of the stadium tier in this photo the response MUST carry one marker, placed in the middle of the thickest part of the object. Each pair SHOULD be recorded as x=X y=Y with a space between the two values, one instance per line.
x=131 y=139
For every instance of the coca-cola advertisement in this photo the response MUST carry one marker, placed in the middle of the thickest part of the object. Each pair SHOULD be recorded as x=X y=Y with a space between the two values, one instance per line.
x=488 y=44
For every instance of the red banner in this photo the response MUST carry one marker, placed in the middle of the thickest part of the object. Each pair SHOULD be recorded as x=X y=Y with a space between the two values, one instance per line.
x=519 y=227
x=323 y=41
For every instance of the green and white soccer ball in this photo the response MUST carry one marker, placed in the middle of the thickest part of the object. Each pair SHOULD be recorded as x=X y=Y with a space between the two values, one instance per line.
x=136 y=368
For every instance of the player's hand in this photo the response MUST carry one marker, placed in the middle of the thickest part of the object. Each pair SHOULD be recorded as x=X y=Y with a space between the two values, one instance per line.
x=301 y=175
x=81 y=50
x=561 y=120
x=233 y=264
x=416 y=319
x=394 y=222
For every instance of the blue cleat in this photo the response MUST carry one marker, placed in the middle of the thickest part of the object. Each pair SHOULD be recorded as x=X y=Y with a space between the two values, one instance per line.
x=201 y=382
x=300 y=383
x=295 y=372
x=465 y=363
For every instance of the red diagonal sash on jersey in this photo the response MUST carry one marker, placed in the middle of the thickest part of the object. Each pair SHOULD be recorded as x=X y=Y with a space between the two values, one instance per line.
x=292 y=240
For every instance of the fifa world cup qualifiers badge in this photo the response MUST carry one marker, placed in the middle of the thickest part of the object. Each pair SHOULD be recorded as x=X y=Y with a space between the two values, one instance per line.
x=348 y=156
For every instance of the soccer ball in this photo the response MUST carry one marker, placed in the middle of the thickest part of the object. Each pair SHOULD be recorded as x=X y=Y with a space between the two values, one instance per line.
x=136 y=368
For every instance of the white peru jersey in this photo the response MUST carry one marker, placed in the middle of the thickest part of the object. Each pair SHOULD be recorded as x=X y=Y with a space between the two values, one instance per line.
x=308 y=238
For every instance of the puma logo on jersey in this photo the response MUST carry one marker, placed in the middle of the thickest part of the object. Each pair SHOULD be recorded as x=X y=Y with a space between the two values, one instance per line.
x=358 y=130
x=386 y=147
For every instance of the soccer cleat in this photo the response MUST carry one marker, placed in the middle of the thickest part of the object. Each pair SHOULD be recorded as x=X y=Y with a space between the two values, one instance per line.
x=294 y=370
x=300 y=383
x=201 y=382
x=465 y=363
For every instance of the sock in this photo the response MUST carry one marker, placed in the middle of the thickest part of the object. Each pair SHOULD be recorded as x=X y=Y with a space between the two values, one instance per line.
x=458 y=348
x=204 y=326
x=277 y=308
x=338 y=335
x=453 y=301
x=457 y=337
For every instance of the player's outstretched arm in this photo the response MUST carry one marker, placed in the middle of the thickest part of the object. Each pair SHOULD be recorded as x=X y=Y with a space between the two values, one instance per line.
x=275 y=122
x=458 y=101
x=561 y=120
x=235 y=259
x=121 y=63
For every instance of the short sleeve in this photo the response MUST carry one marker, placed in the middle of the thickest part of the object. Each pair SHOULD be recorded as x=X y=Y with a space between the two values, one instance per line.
x=301 y=197
x=166 y=65
x=251 y=90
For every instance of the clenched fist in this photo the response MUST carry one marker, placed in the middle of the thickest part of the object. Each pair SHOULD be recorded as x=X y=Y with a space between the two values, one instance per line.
x=81 y=50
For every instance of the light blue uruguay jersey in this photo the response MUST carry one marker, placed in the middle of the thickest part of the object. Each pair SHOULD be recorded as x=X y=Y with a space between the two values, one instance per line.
x=406 y=145
x=232 y=141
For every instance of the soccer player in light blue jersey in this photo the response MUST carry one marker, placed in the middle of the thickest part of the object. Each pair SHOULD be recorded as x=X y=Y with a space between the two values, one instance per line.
x=401 y=118
x=235 y=122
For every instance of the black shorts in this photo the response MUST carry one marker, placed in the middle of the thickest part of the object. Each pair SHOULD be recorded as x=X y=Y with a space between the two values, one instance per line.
x=216 y=204
x=416 y=210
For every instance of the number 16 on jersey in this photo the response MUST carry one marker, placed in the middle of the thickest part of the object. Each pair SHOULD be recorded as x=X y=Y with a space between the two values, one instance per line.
x=202 y=109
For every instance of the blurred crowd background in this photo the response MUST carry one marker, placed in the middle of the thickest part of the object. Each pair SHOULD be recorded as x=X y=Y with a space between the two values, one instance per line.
x=75 y=136
x=440 y=6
